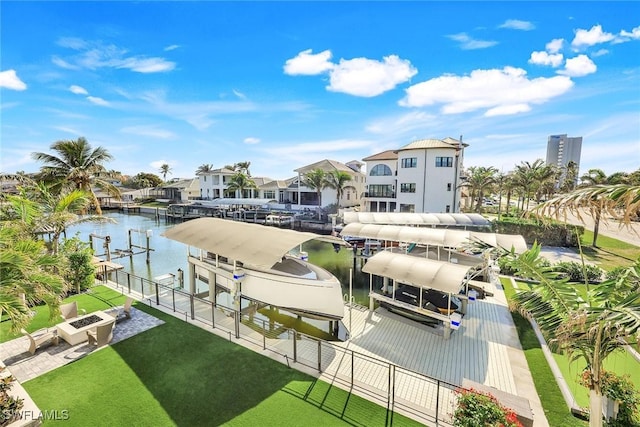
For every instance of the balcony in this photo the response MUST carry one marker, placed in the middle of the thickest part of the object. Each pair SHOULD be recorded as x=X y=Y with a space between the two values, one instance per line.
x=380 y=194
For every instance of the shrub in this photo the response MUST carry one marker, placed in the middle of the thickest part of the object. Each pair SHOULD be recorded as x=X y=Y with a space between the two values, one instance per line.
x=575 y=273
x=80 y=273
x=476 y=409
x=9 y=406
x=621 y=389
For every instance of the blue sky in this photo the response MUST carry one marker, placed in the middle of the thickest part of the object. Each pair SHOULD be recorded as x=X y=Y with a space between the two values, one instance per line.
x=285 y=84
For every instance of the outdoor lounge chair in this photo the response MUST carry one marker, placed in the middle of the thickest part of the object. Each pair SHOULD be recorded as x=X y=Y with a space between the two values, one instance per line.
x=70 y=311
x=39 y=337
x=102 y=334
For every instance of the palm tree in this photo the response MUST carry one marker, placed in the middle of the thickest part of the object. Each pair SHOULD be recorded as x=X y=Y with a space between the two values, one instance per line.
x=479 y=179
x=316 y=180
x=239 y=182
x=591 y=330
x=77 y=167
x=204 y=168
x=164 y=170
x=337 y=180
x=243 y=167
x=26 y=276
x=570 y=178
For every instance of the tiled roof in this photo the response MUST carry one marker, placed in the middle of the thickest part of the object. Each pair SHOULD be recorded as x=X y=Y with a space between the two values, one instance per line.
x=385 y=155
x=326 y=165
x=423 y=144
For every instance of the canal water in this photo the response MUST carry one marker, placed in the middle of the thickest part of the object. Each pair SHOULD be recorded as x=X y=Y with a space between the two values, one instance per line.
x=168 y=256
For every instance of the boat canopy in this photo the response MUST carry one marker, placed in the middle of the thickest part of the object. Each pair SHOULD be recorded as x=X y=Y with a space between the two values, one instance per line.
x=401 y=218
x=433 y=236
x=252 y=244
x=419 y=272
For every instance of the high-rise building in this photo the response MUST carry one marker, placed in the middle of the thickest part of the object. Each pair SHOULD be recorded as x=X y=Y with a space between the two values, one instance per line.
x=561 y=150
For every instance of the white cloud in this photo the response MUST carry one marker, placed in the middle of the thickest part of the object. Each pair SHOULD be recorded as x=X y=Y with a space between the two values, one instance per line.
x=505 y=91
x=599 y=52
x=239 y=94
x=98 y=101
x=508 y=110
x=543 y=58
x=307 y=63
x=468 y=43
x=157 y=164
x=68 y=130
x=516 y=24
x=625 y=35
x=150 y=131
x=10 y=80
x=78 y=90
x=579 y=66
x=554 y=46
x=368 y=77
x=172 y=47
x=401 y=124
x=586 y=38
x=251 y=140
x=95 y=55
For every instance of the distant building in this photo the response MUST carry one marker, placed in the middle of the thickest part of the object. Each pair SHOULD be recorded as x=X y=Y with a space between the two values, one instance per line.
x=561 y=150
x=423 y=176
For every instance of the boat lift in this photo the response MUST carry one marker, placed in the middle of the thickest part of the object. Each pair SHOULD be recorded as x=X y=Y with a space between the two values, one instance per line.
x=121 y=253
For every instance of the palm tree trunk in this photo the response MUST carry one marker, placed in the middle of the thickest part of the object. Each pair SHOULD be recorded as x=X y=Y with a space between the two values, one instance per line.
x=596 y=227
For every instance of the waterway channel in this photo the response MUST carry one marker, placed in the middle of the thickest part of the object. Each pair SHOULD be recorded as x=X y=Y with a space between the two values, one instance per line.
x=168 y=256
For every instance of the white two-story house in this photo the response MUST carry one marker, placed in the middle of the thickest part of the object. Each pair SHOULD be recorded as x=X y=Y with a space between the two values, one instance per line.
x=423 y=176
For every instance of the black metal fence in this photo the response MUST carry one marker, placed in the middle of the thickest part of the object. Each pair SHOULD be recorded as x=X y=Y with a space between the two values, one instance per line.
x=429 y=400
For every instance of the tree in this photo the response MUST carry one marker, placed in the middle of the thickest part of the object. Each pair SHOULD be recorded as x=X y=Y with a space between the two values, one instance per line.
x=243 y=167
x=337 y=180
x=570 y=179
x=26 y=276
x=204 y=168
x=77 y=167
x=239 y=182
x=316 y=180
x=479 y=179
x=165 y=170
x=145 y=180
x=592 y=330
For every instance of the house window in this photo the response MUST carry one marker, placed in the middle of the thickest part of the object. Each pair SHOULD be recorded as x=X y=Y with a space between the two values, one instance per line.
x=407 y=208
x=448 y=209
x=380 y=170
x=269 y=194
x=444 y=162
x=409 y=162
x=448 y=186
x=408 y=188
x=380 y=191
x=205 y=178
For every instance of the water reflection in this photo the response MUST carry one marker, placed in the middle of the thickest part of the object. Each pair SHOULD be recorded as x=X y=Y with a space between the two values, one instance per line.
x=168 y=256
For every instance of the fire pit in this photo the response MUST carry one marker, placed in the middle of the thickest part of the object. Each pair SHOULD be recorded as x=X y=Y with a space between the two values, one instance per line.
x=86 y=321
x=75 y=330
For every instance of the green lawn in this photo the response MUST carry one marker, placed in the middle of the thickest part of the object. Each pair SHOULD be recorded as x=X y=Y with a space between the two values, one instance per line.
x=610 y=252
x=179 y=374
x=99 y=298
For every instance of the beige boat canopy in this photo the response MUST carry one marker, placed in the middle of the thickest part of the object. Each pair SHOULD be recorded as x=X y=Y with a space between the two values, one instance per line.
x=401 y=218
x=433 y=236
x=252 y=244
x=419 y=272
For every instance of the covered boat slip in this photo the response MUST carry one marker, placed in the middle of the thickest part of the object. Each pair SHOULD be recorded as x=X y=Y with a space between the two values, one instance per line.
x=252 y=261
x=460 y=220
x=440 y=237
x=424 y=274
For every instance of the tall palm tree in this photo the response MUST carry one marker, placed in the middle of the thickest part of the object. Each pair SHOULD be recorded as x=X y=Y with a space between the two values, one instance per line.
x=337 y=180
x=531 y=177
x=243 y=167
x=592 y=330
x=479 y=179
x=570 y=179
x=77 y=167
x=204 y=168
x=165 y=170
x=316 y=180
x=239 y=182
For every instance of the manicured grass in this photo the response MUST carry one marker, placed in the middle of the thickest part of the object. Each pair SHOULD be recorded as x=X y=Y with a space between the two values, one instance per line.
x=99 y=298
x=555 y=409
x=179 y=374
x=610 y=252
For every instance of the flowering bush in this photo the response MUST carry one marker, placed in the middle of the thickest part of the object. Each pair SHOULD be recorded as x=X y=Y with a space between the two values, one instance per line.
x=621 y=389
x=9 y=405
x=478 y=409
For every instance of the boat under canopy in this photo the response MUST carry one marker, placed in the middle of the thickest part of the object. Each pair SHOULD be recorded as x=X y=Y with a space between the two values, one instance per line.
x=434 y=236
x=402 y=218
x=253 y=261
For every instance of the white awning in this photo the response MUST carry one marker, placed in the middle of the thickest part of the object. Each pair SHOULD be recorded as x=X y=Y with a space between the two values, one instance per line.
x=433 y=236
x=252 y=244
x=235 y=202
x=401 y=218
x=419 y=272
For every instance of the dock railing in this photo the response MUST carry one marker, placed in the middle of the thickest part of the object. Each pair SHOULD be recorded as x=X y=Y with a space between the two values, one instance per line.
x=425 y=399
